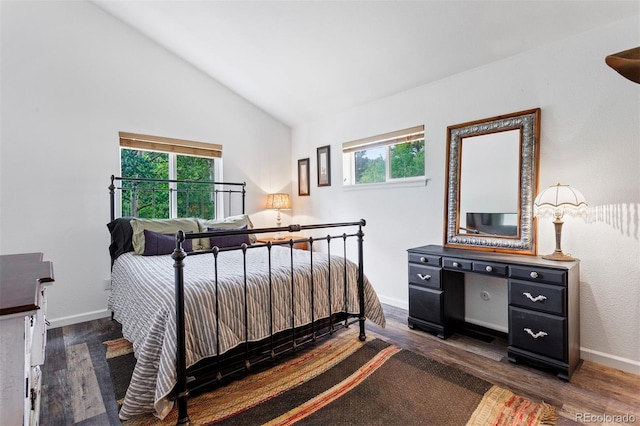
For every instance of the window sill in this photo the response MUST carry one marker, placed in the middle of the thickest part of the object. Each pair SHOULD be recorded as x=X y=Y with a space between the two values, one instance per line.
x=405 y=183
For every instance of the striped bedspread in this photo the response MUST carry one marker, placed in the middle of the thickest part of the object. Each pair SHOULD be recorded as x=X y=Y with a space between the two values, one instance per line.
x=142 y=299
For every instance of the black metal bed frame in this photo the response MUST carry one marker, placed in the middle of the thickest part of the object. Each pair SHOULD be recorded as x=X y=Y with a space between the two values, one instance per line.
x=251 y=354
x=212 y=187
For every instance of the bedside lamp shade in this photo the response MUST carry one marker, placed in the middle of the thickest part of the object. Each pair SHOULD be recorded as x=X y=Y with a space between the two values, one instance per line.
x=278 y=201
x=556 y=201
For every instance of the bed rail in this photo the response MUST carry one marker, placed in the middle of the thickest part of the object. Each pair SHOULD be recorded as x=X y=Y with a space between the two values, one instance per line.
x=277 y=344
x=197 y=198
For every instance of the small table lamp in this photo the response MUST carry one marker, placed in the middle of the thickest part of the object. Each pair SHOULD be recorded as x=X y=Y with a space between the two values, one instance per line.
x=278 y=202
x=556 y=201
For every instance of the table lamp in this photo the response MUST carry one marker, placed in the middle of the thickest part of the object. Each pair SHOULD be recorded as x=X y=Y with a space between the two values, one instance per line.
x=278 y=202
x=556 y=201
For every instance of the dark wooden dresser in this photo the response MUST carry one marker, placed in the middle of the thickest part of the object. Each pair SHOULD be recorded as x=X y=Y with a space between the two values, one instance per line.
x=543 y=297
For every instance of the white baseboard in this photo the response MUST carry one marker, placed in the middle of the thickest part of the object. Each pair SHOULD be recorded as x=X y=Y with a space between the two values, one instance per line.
x=402 y=304
x=609 y=360
x=75 y=319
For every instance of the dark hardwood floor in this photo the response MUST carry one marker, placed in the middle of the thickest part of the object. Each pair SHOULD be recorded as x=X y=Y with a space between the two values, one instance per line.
x=77 y=388
x=76 y=383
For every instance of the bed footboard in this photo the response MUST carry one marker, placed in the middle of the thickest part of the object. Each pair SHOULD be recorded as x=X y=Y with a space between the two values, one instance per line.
x=276 y=344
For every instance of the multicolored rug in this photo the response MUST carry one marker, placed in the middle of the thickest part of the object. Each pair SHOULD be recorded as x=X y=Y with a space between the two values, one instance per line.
x=118 y=347
x=344 y=381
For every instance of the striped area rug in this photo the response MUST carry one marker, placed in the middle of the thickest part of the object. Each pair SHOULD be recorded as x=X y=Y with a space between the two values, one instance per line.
x=118 y=347
x=345 y=381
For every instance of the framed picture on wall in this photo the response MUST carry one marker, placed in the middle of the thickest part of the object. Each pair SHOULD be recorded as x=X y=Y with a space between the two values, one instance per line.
x=303 y=177
x=324 y=166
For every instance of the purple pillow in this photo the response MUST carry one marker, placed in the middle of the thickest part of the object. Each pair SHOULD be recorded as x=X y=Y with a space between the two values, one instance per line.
x=156 y=243
x=229 y=240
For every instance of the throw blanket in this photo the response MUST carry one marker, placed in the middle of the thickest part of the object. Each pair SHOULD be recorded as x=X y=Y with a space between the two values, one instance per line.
x=142 y=299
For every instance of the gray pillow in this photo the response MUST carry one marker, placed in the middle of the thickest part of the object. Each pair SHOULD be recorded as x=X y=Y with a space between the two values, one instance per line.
x=228 y=240
x=226 y=223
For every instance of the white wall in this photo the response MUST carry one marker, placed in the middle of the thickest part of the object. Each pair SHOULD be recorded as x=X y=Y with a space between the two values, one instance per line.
x=72 y=77
x=590 y=138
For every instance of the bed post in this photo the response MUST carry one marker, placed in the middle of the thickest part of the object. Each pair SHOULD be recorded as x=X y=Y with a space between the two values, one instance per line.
x=181 y=368
x=363 y=336
x=112 y=195
x=244 y=194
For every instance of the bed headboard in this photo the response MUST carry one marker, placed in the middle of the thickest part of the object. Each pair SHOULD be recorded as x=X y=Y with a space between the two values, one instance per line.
x=157 y=198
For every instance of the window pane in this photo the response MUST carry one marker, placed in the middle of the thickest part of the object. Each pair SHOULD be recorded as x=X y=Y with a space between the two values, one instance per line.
x=144 y=199
x=394 y=157
x=407 y=159
x=370 y=165
x=195 y=200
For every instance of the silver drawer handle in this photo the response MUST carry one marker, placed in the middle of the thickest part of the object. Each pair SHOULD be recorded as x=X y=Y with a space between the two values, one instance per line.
x=424 y=277
x=423 y=259
x=534 y=274
x=488 y=269
x=538 y=298
x=535 y=335
x=456 y=265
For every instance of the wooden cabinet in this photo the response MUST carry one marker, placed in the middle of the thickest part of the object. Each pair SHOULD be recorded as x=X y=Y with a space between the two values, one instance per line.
x=544 y=316
x=22 y=335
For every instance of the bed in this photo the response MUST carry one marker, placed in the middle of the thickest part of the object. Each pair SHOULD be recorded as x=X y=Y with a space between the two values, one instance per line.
x=201 y=300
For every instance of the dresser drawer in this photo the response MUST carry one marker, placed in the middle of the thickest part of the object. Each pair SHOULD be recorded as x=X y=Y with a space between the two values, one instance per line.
x=538 y=332
x=425 y=259
x=531 y=273
x=424 y=275
x=490 y=268
x=425 y=304
x=457 y=264
x=542 y=297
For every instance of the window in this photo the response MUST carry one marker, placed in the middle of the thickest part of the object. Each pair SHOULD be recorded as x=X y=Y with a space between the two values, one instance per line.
x=153 y=157
x=392 y=157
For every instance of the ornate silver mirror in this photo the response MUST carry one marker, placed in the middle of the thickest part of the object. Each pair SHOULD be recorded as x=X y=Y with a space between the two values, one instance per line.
x=491 y=182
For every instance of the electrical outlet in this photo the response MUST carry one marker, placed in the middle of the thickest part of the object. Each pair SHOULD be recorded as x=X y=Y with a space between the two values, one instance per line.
x=485 y=295
x=106 y=284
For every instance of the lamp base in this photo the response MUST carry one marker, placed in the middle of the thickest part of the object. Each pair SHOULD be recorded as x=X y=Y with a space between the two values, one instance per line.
x=559 y=256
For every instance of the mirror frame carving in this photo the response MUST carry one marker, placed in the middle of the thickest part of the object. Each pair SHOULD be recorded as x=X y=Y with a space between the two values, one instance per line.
x=525 y=242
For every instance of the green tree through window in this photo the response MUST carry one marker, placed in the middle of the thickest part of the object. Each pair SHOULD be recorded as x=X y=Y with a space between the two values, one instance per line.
x=195 y=200
x=144 y=199
x=407 y=159
x=152 y=199
x=369 y=170
x=396 y=156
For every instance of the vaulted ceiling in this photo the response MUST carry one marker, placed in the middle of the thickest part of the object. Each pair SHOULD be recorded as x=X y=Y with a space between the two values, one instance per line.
x=298 y=60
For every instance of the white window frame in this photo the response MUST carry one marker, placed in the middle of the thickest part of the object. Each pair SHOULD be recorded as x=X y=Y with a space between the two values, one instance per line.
x=386 y=140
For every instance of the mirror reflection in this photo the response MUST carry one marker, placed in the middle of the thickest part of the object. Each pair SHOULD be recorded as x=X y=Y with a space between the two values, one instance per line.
x=489 y=173
x=492 y=179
